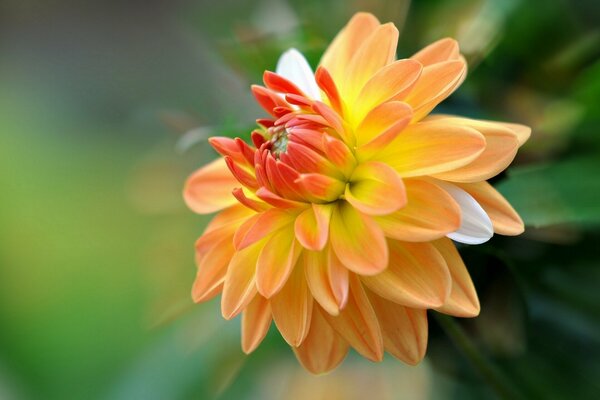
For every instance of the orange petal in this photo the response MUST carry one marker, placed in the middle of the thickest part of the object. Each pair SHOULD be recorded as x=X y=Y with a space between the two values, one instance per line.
x=312 y=226
x=357 y=240
x=430 y=213
x=417 y=276
x=523 y=132
x=256 y=320
x=320 y=188
x=233 y=216
x=392 y=82
x=212 y=267
x=404 y=329
x=375 y=189
x=504 y=218
x=240 y=281
x=292 y=308
x=463 y=301
x=259 y=226
x=323 y=349
x=380 y=127
x=443 y=50
x=341 y=50
x=378 y=50
x=501 y=148
x=327 y=280
x=209 y=189
x=436 y=82
x=276 y=261
x=358 y=324
x=339 y=154
x=430 y=147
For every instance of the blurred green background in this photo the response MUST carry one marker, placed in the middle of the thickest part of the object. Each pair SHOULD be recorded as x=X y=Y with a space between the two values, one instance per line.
x=104 y=110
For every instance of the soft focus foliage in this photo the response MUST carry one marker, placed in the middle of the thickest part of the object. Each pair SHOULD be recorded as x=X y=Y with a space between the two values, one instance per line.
x=104 y=110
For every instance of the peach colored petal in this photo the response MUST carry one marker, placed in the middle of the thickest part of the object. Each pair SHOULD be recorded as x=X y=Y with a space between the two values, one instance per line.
x=430 y=147
x=260 y=225
x=417 y=276
x=233 y=216
x=382 y=125
x=523 y=132
x=504 y=218
x=276 y=261
x=327 y=280
x=436 y=82
x=240 y=281
x=323 y=349
x=256 y=320
x=463 y=301
x=375 y=189
x=392 y=82
x=212 y=267
x=312 y=226
x=501 y=148
x=404 y=329
x=357 y=240
x=443 y=50
x=320 y=188
x=209 y=189
x=292 y=308
x=341 y=50
x=358 y=324
x=430 y=213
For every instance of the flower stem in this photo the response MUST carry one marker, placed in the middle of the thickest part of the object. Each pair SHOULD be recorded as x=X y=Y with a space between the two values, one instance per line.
x=488 y=371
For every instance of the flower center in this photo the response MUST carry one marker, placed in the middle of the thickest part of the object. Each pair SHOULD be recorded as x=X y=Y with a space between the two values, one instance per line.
x=279 y=140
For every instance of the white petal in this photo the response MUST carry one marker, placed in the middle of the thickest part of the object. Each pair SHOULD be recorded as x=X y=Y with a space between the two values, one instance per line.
x=293 y=66
x=476 y=226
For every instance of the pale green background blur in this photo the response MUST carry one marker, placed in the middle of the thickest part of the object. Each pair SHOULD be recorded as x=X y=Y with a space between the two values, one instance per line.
x=104 y=110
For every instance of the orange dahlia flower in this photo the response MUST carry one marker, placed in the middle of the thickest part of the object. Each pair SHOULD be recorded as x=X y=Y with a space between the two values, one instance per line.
x=337 y=221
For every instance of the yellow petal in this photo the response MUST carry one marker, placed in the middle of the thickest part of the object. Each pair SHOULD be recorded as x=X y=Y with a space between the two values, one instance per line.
x=436 y=82
x=323 y=349
x=212 y=267
x=501 y=148
x=292 y=308
x=417 y=276
x=276 y=261
x=209 y=189
x=391 y=82
x=375 y=189
x=240 y=281
x=256 y=320
x=382 y=125
x=339 y=53
x=504 y=218
x=358 y=324
x=312 y=226
x=430 y=147
x=357 y=240
x=404 y=329
x=376 y=52
x=443 y=50
x=260 y=225
x=430 y=213
x=463 y=301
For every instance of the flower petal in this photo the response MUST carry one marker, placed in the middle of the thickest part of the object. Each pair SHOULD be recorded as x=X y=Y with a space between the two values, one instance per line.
x=312 y=226
x=375 y=189
x=357 y=241
x=256 y=320
x=463 y=301
x=212 y=267
x=240 y=281
x=259 y=226
x=430 y=213
x=293 y=66
x=417 y=276
x=276 y=261
x=327 y=280
x=430 y=147
x=323 y=349
x=504 y=218
x=404 y=329
x=500 y=149
x=292 y=308
x=476 y=226
x=443 y=50
x=209 y=189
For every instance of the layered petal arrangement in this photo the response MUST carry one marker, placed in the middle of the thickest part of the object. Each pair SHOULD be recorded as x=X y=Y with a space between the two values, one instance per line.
x=337 y=222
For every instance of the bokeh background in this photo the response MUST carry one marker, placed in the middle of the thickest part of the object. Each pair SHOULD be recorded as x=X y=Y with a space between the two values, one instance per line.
x=105 y=107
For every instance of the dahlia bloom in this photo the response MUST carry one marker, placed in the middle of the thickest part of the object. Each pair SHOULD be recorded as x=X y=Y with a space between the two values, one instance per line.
x=338 y=221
